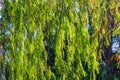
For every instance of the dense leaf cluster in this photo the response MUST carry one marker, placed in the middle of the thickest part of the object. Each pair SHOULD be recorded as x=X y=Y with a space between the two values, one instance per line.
x=56 y=39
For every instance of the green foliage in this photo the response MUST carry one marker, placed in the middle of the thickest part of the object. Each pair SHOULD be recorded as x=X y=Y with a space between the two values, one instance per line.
x=49 y=39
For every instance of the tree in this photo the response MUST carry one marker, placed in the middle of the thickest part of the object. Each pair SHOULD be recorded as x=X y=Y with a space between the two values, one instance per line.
x=49 y=39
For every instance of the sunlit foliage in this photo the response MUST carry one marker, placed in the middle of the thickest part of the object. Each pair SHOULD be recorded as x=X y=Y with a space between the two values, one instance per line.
x=56 y=39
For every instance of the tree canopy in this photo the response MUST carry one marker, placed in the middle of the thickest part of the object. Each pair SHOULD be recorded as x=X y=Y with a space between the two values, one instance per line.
x=58 y=39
